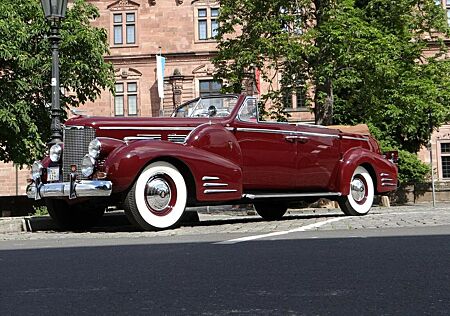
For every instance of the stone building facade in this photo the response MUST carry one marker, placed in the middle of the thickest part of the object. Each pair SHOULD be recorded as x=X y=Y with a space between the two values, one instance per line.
x=139 y=30
x=182 y=31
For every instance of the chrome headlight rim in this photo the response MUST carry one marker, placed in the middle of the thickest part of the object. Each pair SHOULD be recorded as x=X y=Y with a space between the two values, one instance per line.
x=87 y=166
x=36 y=170
x=95 y=147
x=55 y=152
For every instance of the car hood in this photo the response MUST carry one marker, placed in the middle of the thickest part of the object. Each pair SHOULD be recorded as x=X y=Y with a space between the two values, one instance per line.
x=136 y=122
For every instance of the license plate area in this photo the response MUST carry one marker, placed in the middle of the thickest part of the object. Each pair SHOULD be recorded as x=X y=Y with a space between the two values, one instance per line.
x=52 y=174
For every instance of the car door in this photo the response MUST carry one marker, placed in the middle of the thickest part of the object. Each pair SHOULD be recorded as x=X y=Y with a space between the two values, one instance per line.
x=269 y=157
x=317 y=157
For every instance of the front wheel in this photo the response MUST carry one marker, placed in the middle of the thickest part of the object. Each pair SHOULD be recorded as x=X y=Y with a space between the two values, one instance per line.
x=158 y=197
x=360 y=199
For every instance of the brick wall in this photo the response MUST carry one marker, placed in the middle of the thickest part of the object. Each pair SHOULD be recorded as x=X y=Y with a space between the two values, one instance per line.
x=12 y=183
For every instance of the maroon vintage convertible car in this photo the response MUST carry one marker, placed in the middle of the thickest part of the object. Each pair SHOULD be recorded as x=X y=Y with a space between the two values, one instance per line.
x=213 y=150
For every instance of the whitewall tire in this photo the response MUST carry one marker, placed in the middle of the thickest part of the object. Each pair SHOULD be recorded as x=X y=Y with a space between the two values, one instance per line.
x=158 y=198
x=362 y=192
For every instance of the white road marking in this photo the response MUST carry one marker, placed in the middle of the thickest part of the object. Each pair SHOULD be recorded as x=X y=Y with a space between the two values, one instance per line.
x=285 y=232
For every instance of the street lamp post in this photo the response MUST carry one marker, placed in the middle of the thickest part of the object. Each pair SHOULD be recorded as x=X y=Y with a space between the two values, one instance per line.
x=55 y=11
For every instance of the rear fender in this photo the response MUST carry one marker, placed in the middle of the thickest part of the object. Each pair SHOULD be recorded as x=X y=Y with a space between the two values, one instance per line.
x=379 y=168
x=215 y=178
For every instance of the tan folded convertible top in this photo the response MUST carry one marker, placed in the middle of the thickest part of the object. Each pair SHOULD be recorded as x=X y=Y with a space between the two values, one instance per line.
x=362 y=129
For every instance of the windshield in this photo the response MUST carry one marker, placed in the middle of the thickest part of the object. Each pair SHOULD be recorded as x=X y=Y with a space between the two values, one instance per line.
x=207 y=107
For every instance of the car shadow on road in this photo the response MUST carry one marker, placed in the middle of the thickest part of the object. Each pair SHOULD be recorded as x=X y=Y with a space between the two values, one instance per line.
x=118 y=222
x=122 y=225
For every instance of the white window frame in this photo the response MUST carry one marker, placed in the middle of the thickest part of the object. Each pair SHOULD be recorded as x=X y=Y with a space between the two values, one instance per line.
x=124 y=24
x=126 y=95
x=208 y=20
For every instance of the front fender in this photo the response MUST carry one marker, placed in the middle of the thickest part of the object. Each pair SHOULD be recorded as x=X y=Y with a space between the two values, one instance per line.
x=217 y=139
x=378 y=167
x=216 y=178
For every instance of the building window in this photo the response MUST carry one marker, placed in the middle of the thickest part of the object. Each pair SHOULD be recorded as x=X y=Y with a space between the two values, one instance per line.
x=294 y=98
x=118 y=100
x=208 y=87
x=124 y=24
x=448 y=16
x=214 y=22
x=118 y=36
x=207 y=23
x=445 y=160
x=292 y=20
x=126 y=92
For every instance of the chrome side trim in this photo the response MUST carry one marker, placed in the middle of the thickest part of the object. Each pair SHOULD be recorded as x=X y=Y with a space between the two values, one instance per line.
x=288 y=195
x=284 y=132
x=82 y=188
x=386 y=179
x=384 y=174
x=206 y=185
x=128 y=138
x=147 y=128
x=311 y=124
x=156 y=136
x=356 y=138
x=210 y=178
x=388 y=184
x=219 y=191
x=176 y=138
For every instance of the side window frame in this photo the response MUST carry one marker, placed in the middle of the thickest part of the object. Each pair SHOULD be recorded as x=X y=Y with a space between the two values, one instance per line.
x=244 y=106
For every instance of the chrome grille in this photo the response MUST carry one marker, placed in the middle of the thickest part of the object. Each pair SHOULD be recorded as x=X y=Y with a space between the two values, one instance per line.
x=76 y=144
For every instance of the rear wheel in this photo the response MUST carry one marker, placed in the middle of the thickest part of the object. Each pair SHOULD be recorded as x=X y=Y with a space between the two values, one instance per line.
x=360 y=199
x=270 y=211
x=78 y=216
x=158 y=197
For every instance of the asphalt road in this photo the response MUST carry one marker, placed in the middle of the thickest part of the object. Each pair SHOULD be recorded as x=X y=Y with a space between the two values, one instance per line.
x=300 y=273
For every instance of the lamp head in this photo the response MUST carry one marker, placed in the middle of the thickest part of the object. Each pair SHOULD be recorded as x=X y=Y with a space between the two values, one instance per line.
x=54 y=9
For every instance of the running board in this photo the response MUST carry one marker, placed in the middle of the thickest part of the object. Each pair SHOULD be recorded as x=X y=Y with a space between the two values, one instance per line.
x=288 y=195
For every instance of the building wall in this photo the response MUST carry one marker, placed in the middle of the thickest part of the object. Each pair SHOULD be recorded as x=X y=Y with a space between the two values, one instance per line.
x=169 y=27
x=13 y=181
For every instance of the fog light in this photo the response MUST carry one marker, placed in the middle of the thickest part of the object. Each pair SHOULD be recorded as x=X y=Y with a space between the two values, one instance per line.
x=36 y=170
x=87 y=166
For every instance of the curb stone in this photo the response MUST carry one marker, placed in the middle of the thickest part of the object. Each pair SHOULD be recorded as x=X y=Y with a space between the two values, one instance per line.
x=12 y=225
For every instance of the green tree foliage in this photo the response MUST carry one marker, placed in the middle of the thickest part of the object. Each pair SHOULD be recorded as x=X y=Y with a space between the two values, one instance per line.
x=363 y=60
x=25 y=72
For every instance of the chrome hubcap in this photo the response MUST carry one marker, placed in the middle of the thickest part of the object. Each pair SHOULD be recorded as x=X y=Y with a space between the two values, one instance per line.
x=157 y=194
x=358 y=190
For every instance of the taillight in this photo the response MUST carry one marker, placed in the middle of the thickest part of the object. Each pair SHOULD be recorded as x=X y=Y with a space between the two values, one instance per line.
x=391 y=156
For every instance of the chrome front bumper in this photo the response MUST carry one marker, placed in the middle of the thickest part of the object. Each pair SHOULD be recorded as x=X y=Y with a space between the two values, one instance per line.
x=81 y=188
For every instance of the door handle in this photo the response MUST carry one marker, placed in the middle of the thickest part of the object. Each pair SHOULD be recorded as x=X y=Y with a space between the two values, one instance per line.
x=294 y=138
x=290 y=139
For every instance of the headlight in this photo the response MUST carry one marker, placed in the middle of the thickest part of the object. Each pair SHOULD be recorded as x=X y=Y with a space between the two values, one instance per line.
x=55 y=152
x=36 y=170
x=94 y=148
x=87 y=166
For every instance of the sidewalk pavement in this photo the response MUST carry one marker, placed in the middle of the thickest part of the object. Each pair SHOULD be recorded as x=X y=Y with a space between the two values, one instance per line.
x=217 y=213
